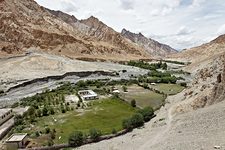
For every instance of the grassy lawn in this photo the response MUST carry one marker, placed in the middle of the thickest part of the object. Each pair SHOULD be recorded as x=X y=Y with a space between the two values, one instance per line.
x=170 y=89
x=104 y=115
x=143 y=97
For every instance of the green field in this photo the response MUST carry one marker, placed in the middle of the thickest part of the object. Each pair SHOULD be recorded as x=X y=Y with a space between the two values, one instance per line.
x=143 y=97
x=170 y=89
x=104 y=115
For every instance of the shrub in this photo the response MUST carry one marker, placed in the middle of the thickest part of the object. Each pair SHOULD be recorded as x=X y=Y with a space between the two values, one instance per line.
x=114 y=131
x=95 y=134
x=183 y=84
x=31 y=111
x=52 y=112
x=145 y=85
x=133 y=103
x=18 y=120
x=127 y=124
x=37 y=134
x=39 y=113
x=45 y=111
x=137 y=120
x=52 y=135
x=147 y=113
x=76 y=139
x=124 y=88
x=47 y=130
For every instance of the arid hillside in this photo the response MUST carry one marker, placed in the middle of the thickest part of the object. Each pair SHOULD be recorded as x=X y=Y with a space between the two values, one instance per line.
x=151 y=46
x=25 y=24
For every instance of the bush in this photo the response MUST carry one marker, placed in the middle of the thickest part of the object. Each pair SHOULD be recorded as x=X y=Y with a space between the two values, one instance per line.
x=114 y=131
x=47 y=130
x=52 y=111
x=124 y=88
x=45 y=111
x=76 y=139
x=95 y=134
x=127 y=124
x=52 y=135
x=39 y=113
x=18 y=120
x=133 y=103
x=183 y=84
x=145 y=86
x=137 y=120
x=37 y=134
x=147 y=113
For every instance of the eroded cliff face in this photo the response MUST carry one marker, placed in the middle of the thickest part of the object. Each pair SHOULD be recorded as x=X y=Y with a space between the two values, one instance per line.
x=207 y=88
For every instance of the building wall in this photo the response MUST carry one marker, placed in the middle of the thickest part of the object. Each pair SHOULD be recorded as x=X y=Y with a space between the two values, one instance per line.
x=6 y=117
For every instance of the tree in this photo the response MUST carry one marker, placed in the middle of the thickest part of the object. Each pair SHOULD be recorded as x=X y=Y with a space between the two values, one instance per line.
x=114 y=131
x=76 y=139
x=37 y=134
x=47 y=130
x=38 y=113
x=124 y=88
x=133 y=103
x=52 y=112
x=164 y=66
x=31 y=111
x=137 y=120
x=127 y=124
x=147 y=113
x=45 y=111
x=145 y=85
x=95 y=134
x=52 y=135
x=18 y=120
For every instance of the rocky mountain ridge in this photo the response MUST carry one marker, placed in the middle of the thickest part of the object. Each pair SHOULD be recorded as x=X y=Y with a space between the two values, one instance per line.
x=24 y=24
x=151 y=46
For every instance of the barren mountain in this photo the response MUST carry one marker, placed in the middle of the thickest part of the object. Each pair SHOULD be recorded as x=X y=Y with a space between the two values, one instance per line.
x=202 y=53
x=25 y=24
x=151 y=46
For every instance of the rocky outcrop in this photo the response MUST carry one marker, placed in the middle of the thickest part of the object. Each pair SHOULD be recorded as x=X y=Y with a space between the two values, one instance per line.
x=151 y=46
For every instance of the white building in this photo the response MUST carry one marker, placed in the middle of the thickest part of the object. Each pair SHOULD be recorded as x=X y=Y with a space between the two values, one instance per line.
x=87 y=95
x=5 y=114
x=16 y=141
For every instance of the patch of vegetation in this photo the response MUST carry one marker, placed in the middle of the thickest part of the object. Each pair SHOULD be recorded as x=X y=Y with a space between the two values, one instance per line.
x=177 y=62
x=169 y=89
x=145 y=65
x=76 y=139
x=143 y=97
x=105 y=115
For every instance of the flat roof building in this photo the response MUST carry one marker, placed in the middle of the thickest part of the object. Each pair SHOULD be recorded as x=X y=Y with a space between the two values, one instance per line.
x=16 y=141
x=87 y=95
x=5 y=114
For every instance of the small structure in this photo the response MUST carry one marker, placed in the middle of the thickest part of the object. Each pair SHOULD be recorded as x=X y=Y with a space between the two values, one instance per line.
x=116 y=91
x=5 y=114
x=16 y=141
x=153 y=83
x=87 y=95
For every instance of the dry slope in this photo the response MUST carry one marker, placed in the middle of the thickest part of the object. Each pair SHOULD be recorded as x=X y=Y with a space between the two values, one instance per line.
x=25 y=24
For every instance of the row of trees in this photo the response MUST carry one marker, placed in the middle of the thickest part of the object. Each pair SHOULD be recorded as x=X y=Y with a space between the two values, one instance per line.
x=138 y=119
x=146 y=65
x=77 y=138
